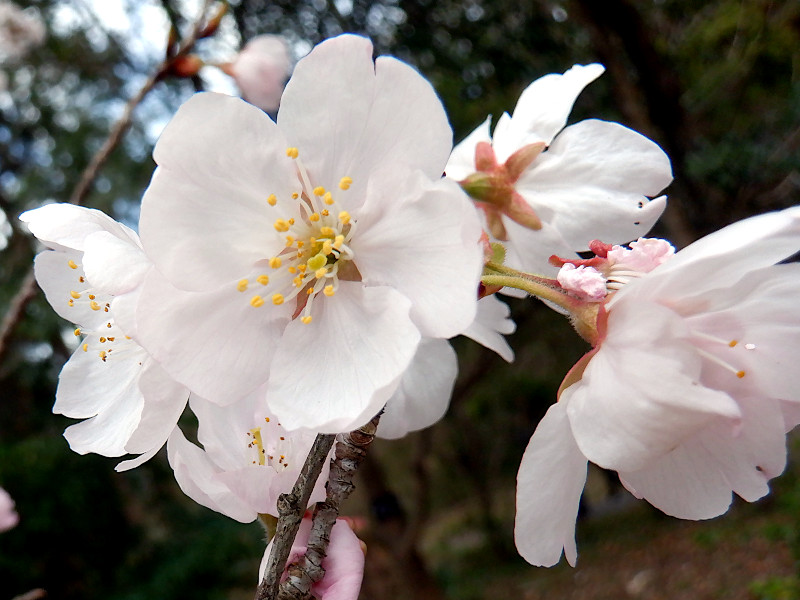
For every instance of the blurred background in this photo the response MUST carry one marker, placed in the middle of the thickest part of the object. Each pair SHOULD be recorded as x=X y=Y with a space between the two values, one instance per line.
x=716 y=83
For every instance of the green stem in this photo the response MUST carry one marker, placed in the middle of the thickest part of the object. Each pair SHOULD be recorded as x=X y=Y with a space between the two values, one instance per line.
x=542 y=287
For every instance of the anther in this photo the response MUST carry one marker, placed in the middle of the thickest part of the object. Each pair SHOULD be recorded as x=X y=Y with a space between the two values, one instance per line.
x=337 y=243
x=85 y=347
x=71 y=302
x=292 y=152
x=292 y=270
x=77 y=332
x=320 y=273
x=281 y=225
x=277 y=299
x=289 y=240
x=327 y=198
x=325 y=213
x=102 y=340
x=94 y=305
x=102 y=355
x=275 y=262
x=328 y=291
x=262 y=279
x=328 y=231
x=344 y=217
x=313 y=217
x=319 y=191
x=256 y=301
x=298 y=281
x=72 y=264
x=295 y=195
x=345 y=183
x=242 y=285
x=732 y=343
x=740 y=374
x=74 y=294
x=306 y=320
x=309 y=291
x=272 y=200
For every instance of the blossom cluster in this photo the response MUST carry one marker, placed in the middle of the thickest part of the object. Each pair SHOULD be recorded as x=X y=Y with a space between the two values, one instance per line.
x=301 y=275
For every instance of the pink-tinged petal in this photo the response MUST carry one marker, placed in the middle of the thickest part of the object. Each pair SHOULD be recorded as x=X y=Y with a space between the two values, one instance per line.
x=261 y=69
x=223 y=431
x=462 y=159
x=197 y=477
x=760 y=316
x=57 y=278
x=8 y=516
x=351 y=117
x=88 y=386
x=723 y=257
x=205 y=217
x=164 y=402
x=424 y=392
x=113 y=265
x=427 y=247
x=543 y=108
x=549 y=486
x=344 y=563
x=363 y=340
x=791 y=415
x=491 y=323
x=175 y=327
x=529 y=250
x=640 y=395
x=66 y=226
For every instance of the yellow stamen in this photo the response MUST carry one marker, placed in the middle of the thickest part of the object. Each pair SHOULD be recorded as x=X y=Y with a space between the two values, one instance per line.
x=325 y=213
x=275 y=262
x=92 y=296
x=77 y=332
x=281 y=225
x=74 y=294
x=262 y=279
x=272 y=200
x=337 y=243
x=85 y=347
x=320 y=273
x=289 y=240
x=327 y=231
x=256 y=301
x=328 y=291
x=345 y=183
x=295 y=195
x=319 y=191
x=309 y=291
x=256 y=433
x=326 y=247
x=298 y=281
x=313 y=217
x=277 y=299
x=327 y=198
x=72 y=264
x=102 y=355
x=301 y=268
x=94 y=305
x=733 y=343
x=71 y=302
x=102 y=340
x=344 y=217
x=740 y=374
x=292 y=270
x=292 y=152
x=306 y=320
x=242 y=285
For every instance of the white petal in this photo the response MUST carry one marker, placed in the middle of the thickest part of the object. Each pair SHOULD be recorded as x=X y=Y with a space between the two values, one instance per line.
x=214 y=343
x=364 y=119
x=424 y=392
x=462 y=159
x=491 y=323
x=640 y=393
x=196 y=476
x=205 y=217
x=109 y=431
x=543 y=108
x=549 y=486
x=57 y=279
x=66 y=226
x=530 y=251
x=113 y=265
x=337 y=372
x=426 y=246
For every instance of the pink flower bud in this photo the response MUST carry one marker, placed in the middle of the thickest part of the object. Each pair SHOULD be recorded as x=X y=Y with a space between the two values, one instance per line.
x=260 y=71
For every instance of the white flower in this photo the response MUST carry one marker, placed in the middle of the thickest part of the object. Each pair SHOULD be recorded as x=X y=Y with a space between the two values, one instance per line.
x=549 y=189
x=688 y=394
x=313 y=255
x=248 y=459
x=260 y=70
x=8 y=516
x=90 y=276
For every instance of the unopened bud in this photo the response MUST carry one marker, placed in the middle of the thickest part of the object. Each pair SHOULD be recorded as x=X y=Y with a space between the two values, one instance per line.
x=186 y=66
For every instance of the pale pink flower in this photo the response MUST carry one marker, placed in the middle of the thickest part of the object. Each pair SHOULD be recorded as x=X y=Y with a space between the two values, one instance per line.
x=343 y=564
x=312 y=255
x=551 y=189
x=261 y=69
x=8 y=516
x=90 y=274
x=688 y=393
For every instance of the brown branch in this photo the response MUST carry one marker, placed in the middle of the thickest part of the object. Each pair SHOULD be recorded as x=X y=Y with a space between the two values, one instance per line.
x=291 y=508
x=27 y=290
x=351 y=448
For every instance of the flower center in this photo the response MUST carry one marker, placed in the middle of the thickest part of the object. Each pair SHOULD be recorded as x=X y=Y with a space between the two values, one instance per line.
x=316 y=254
x=269 y=447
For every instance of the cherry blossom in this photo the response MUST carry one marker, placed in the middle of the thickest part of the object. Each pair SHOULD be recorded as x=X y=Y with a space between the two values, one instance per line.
x=549 y=189
x=90 y=275
x=343 y=564
x=688 y=392
x=283 y=251
x=260 y=70
x=248 y=459
x=8 y=516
